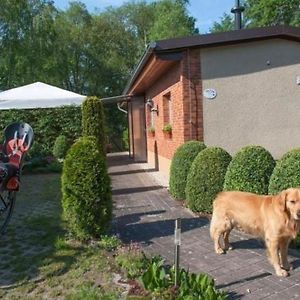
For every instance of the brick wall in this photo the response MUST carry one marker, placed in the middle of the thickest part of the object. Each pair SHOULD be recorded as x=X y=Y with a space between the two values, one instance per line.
x=183 y=83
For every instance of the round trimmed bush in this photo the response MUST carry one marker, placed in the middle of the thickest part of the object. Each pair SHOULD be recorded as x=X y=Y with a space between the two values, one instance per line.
x=206 y=178
x=86 y=199
x=180 y=166
x=250 y=170
x=286 y=173
x=61 y=146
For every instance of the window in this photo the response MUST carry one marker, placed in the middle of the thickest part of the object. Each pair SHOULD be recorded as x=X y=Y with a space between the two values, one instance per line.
x=167 y=108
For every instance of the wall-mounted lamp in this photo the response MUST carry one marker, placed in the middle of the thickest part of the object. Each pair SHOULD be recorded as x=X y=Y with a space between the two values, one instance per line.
x=149 y=102
x=155 y=109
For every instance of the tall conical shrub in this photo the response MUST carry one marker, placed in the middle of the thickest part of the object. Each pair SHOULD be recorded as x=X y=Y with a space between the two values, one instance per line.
x=180 y=167
x=86 y=191
x=93 y=120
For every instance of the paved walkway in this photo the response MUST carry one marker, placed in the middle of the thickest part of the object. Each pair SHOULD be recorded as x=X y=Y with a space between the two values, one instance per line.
x=145 y=213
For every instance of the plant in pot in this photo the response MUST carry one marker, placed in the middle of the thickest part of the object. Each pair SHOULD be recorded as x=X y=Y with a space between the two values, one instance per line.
x=167 y=129
x=151 y=131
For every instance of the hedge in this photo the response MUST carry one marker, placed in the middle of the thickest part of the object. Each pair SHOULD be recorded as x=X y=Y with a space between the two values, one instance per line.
x=180 y=166
x=206 y=178
x=250 y=170
x=286 y=173
x=47 y=124
x=86 y=200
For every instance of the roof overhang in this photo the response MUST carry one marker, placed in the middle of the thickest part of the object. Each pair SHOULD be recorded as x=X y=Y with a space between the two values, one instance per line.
x=116 y=99
x=157 y=64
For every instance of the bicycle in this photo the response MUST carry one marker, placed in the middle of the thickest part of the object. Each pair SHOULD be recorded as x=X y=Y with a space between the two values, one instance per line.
x=18 y=139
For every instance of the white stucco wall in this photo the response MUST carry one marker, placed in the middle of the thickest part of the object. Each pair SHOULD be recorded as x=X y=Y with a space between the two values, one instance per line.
x=258 y=100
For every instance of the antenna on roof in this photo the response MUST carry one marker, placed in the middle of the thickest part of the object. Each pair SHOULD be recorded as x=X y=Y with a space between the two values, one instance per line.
x=237 y=11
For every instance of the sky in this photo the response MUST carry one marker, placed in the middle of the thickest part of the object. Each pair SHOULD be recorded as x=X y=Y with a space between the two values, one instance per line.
x=205 y=11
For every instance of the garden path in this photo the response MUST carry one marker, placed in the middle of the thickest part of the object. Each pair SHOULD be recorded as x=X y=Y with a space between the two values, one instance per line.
x=145 y=213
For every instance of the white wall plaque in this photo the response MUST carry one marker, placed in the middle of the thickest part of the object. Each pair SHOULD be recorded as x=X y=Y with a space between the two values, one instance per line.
x=210 y=93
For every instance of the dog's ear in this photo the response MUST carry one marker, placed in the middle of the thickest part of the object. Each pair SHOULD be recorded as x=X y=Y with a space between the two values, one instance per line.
x=282 y=200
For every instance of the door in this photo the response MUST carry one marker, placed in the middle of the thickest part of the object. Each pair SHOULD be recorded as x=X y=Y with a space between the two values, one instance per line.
x=138 y=123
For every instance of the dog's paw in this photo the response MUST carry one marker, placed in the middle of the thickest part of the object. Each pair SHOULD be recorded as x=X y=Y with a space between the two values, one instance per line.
x=282 y=273
x=220 y=251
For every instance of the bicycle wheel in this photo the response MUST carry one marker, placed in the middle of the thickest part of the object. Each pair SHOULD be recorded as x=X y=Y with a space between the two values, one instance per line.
x=7 y=203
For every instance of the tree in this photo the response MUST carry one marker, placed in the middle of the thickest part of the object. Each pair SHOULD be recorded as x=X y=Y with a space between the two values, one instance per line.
x=271 y=12
x=26 y=29
x=263 y=13
x=226 y=24
x=72 y=65
x=171 y=20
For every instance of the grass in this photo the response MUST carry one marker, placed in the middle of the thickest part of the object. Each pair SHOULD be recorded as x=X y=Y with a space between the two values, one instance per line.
x=38 y=260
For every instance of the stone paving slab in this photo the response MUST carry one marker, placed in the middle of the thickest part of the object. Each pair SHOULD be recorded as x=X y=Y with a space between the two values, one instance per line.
x=146 y=213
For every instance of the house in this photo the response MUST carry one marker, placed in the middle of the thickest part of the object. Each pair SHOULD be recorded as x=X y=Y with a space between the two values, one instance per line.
x=227 y=89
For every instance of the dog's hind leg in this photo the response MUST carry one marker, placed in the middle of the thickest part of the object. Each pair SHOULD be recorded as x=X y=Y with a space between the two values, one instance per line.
x=219 y=228
x=227 y=245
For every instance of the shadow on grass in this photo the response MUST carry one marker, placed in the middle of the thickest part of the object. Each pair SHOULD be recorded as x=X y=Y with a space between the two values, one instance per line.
x=33 y=248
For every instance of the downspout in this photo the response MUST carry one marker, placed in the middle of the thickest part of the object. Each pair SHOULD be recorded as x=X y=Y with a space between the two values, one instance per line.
x=190 y=94
x=121 y=109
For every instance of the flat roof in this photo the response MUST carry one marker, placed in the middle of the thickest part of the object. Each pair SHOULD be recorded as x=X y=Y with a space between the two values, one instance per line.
x=212 y=40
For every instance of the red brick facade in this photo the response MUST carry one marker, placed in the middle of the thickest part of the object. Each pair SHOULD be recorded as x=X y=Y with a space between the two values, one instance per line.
x=182 y=85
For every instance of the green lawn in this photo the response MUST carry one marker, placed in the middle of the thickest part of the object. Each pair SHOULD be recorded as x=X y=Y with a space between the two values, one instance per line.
x=38 y=261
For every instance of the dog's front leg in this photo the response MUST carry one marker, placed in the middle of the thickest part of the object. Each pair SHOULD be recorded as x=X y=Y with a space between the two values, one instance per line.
x=273 y=251
x=283 y=251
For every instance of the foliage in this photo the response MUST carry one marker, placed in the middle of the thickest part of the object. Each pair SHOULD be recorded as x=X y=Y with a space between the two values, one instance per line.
x=286 y=173
x=87 y=53
x=42 y=165
x=27 y=36
x=167 y=128
x=171 y=20
x=60 y=147
x=152 y=129
x=271 y=12
x=263 y=13
x=180 y=167
x=226 y=23
x=47 y=123
x=93 y=121
x=250 y=170
x=206 y=178
x=160 y=280
x=125 y=139
x=86 y=201
x=109 y=243
x=132 y=260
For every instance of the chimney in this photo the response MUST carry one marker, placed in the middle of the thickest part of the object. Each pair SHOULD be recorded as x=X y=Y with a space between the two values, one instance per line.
x=237 y=11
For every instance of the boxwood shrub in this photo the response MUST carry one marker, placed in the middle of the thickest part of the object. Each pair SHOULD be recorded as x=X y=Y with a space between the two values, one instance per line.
x=286 y=173
x=250 y=170
x=86 y=201
x=180 y=166
x=61 y=146
x=206 y=178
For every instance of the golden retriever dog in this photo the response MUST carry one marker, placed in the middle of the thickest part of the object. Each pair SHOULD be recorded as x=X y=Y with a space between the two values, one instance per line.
x=275 y=219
